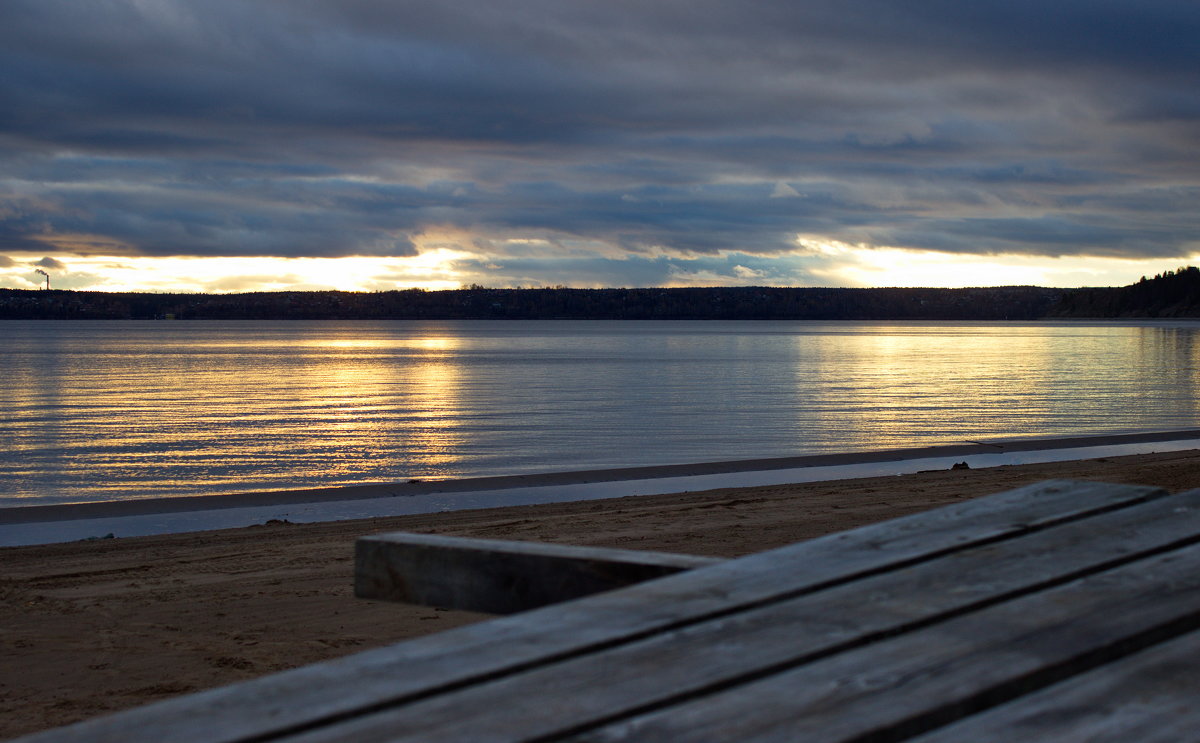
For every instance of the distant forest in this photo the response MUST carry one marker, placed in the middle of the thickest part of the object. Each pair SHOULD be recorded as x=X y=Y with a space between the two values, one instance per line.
x=1173 y=294
x=1170 y=294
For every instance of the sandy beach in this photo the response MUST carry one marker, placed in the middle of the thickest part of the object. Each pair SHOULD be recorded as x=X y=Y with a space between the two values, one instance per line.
x=96 y=626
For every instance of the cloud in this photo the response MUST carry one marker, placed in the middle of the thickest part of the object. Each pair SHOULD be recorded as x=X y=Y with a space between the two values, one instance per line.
x=783 y=191
x=743 y=272
x=642 y=131
x=77 y=280
x=6 y=262
x=49 y=262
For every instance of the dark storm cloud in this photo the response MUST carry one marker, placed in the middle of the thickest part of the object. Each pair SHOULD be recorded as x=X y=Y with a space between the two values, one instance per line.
x=326 y=127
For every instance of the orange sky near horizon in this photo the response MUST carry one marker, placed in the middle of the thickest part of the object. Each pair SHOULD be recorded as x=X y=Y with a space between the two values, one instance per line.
x=831 y=264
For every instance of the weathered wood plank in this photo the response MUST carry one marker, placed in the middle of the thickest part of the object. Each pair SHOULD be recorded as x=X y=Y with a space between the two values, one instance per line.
x=312 y=695
x=1149 y=697
x=499 y=577
x=922 y=680
x=697 y=659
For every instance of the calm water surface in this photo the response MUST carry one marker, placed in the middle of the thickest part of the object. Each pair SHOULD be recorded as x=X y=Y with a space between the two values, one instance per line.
x=104 y=410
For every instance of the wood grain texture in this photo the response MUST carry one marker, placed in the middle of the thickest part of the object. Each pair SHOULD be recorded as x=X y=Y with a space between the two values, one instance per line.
x=925 y=679
x=703 y=658
x=1149 y=697
x=319 y=694
x=499 y=577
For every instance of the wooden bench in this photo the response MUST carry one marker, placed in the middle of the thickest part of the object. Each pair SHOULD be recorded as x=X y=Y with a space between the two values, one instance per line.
x=1059 y=611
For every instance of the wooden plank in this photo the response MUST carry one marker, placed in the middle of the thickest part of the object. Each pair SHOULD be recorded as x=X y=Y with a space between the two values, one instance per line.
x=557 y=698
x=315 y=694
x=499 y=577
x=898 y=688
x=1149 y=697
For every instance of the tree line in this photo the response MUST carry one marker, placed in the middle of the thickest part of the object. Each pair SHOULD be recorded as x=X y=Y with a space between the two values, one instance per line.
x=725 y=303
x=1169 y=294
x=1172 y=294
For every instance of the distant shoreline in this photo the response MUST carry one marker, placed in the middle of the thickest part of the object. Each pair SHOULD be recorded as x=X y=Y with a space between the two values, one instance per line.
x=479 y=303
x=1173 y=294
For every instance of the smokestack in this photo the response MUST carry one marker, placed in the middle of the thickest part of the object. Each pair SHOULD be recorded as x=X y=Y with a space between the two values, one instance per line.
x=47 y=277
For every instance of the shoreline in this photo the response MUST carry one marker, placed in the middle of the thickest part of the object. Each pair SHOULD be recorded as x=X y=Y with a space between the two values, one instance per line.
x=16 y=514
x=47 y=524
x=97 y=626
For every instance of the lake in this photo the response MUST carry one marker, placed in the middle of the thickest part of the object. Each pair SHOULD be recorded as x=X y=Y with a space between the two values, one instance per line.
x=97 y=410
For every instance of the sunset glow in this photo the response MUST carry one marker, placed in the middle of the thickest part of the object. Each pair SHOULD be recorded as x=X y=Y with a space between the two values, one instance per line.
x=990 y=143
x=850 y=265
x=285 y=274
x=826 y=264
x=433 y=270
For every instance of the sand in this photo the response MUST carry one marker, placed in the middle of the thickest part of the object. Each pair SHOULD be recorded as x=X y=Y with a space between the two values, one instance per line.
x=93 y=627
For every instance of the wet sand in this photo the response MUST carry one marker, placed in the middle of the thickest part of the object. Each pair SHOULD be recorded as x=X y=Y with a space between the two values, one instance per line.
x=97 y=626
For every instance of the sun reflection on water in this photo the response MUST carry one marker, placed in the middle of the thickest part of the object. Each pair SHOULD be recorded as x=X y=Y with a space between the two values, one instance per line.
x=116 y=410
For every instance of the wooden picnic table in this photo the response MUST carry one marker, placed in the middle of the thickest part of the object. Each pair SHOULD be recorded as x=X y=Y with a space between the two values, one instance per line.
x=1061 y=611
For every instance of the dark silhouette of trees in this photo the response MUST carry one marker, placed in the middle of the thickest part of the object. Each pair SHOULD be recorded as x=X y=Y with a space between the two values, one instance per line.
x=1169 y=294
x=726 y=303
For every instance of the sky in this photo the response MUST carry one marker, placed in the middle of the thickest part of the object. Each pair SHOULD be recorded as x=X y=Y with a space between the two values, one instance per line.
x=238 y=145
